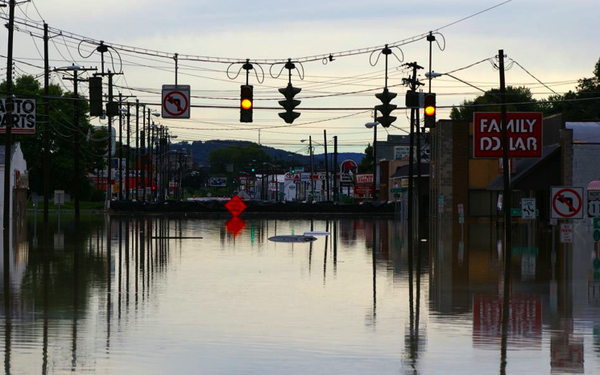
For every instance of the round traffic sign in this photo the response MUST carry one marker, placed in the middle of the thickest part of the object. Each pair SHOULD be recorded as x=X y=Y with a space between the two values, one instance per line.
x=175 y=103
x=566 y=203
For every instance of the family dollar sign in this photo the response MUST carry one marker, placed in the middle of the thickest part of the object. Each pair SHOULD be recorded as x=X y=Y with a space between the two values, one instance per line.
x=23 y=116
x=524 y=131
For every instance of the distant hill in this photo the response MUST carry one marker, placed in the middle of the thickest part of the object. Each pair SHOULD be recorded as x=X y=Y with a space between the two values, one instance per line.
x=200 y=151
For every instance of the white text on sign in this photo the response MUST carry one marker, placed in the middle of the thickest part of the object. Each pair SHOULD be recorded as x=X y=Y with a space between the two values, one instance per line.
x=524 y=132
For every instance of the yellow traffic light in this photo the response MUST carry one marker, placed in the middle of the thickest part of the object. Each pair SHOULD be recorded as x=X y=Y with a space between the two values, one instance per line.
x=246 y=103
x=430 y=110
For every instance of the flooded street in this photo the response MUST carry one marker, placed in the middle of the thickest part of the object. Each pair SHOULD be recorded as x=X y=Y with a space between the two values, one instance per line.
x=187 y=296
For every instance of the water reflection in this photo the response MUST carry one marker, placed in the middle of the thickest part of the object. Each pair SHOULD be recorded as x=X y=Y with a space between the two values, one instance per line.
x=156 y=295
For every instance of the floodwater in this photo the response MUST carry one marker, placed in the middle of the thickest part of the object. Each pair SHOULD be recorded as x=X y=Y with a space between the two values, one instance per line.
x=188 y=296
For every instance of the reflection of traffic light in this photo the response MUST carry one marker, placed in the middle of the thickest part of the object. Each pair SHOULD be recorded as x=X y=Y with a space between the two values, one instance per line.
x=252 y=170
x=289 y=103
x=385 y=108
x=246 y=103
x=430 y=110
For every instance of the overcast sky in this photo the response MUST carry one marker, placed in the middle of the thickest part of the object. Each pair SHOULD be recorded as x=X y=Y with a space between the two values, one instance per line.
x=556 y=41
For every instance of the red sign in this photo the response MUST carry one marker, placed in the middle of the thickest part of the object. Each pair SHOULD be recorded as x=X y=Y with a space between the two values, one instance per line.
x=364 y=178
x=524 y=134
x=235 y=206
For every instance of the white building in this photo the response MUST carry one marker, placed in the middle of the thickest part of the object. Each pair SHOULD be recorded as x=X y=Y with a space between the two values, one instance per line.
x=18 y=180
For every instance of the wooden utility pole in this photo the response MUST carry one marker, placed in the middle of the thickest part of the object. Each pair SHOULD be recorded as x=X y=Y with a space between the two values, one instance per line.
x=46 y=124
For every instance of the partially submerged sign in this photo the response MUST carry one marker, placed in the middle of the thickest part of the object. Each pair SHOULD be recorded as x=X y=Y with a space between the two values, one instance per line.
x=23 y=116
x=524 y=131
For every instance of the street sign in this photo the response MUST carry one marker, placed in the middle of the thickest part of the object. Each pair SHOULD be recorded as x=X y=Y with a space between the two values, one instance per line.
x=566 y=202
x=517 y=212
x=528 y=208
x=176 y=101
x=59 y=197
x=524 y=134
x=566 y=233
x=235 y=206
x=593 y=203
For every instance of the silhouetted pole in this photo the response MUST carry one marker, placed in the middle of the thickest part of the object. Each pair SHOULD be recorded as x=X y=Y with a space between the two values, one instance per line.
x=326 y=164
x=46 y=124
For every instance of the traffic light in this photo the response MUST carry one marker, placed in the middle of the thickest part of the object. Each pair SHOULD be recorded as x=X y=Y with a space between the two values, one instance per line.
x=246 y=103
x=385 y=108
x=95 y=96
x=430 y=110
x=289 y=103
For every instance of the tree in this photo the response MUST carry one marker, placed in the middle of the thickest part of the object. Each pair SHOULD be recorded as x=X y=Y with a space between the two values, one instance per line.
x=366 y=164
x=582 y=104
x=519 y=99
x=62 y=131
x=239 y=157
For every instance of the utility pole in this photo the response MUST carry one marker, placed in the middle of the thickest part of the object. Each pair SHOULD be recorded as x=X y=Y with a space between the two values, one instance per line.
x=312 y=168
x=335 y=170
x=109 y=153
x=76 y=178
x=430 y=39
x=127 y=179
x=46 y=124
x=137 y=149
x=120 y=163
x=375 y=154
x=326 y=164
x=76 y=148
x=506 y=199
x=143 y=147
x=413 y=84
x=7 y=156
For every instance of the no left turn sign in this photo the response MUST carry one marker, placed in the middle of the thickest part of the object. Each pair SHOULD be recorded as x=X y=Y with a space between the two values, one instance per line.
x=567 y=203
x=176 y=101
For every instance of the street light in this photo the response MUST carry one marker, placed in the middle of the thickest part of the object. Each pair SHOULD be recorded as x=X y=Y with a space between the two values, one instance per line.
x=312 y=166
x=373 y=125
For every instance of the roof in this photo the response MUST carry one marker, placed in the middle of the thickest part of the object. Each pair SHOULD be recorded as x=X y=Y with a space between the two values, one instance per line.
x=585 y=132
x=403 y=170
x=526 y=168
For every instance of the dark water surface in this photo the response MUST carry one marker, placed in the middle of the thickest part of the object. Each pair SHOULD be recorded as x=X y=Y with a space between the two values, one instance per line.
x=170 y=296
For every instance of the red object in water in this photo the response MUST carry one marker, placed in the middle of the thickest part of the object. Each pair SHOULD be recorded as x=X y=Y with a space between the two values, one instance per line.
x=235 y=206
x=235 y=225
